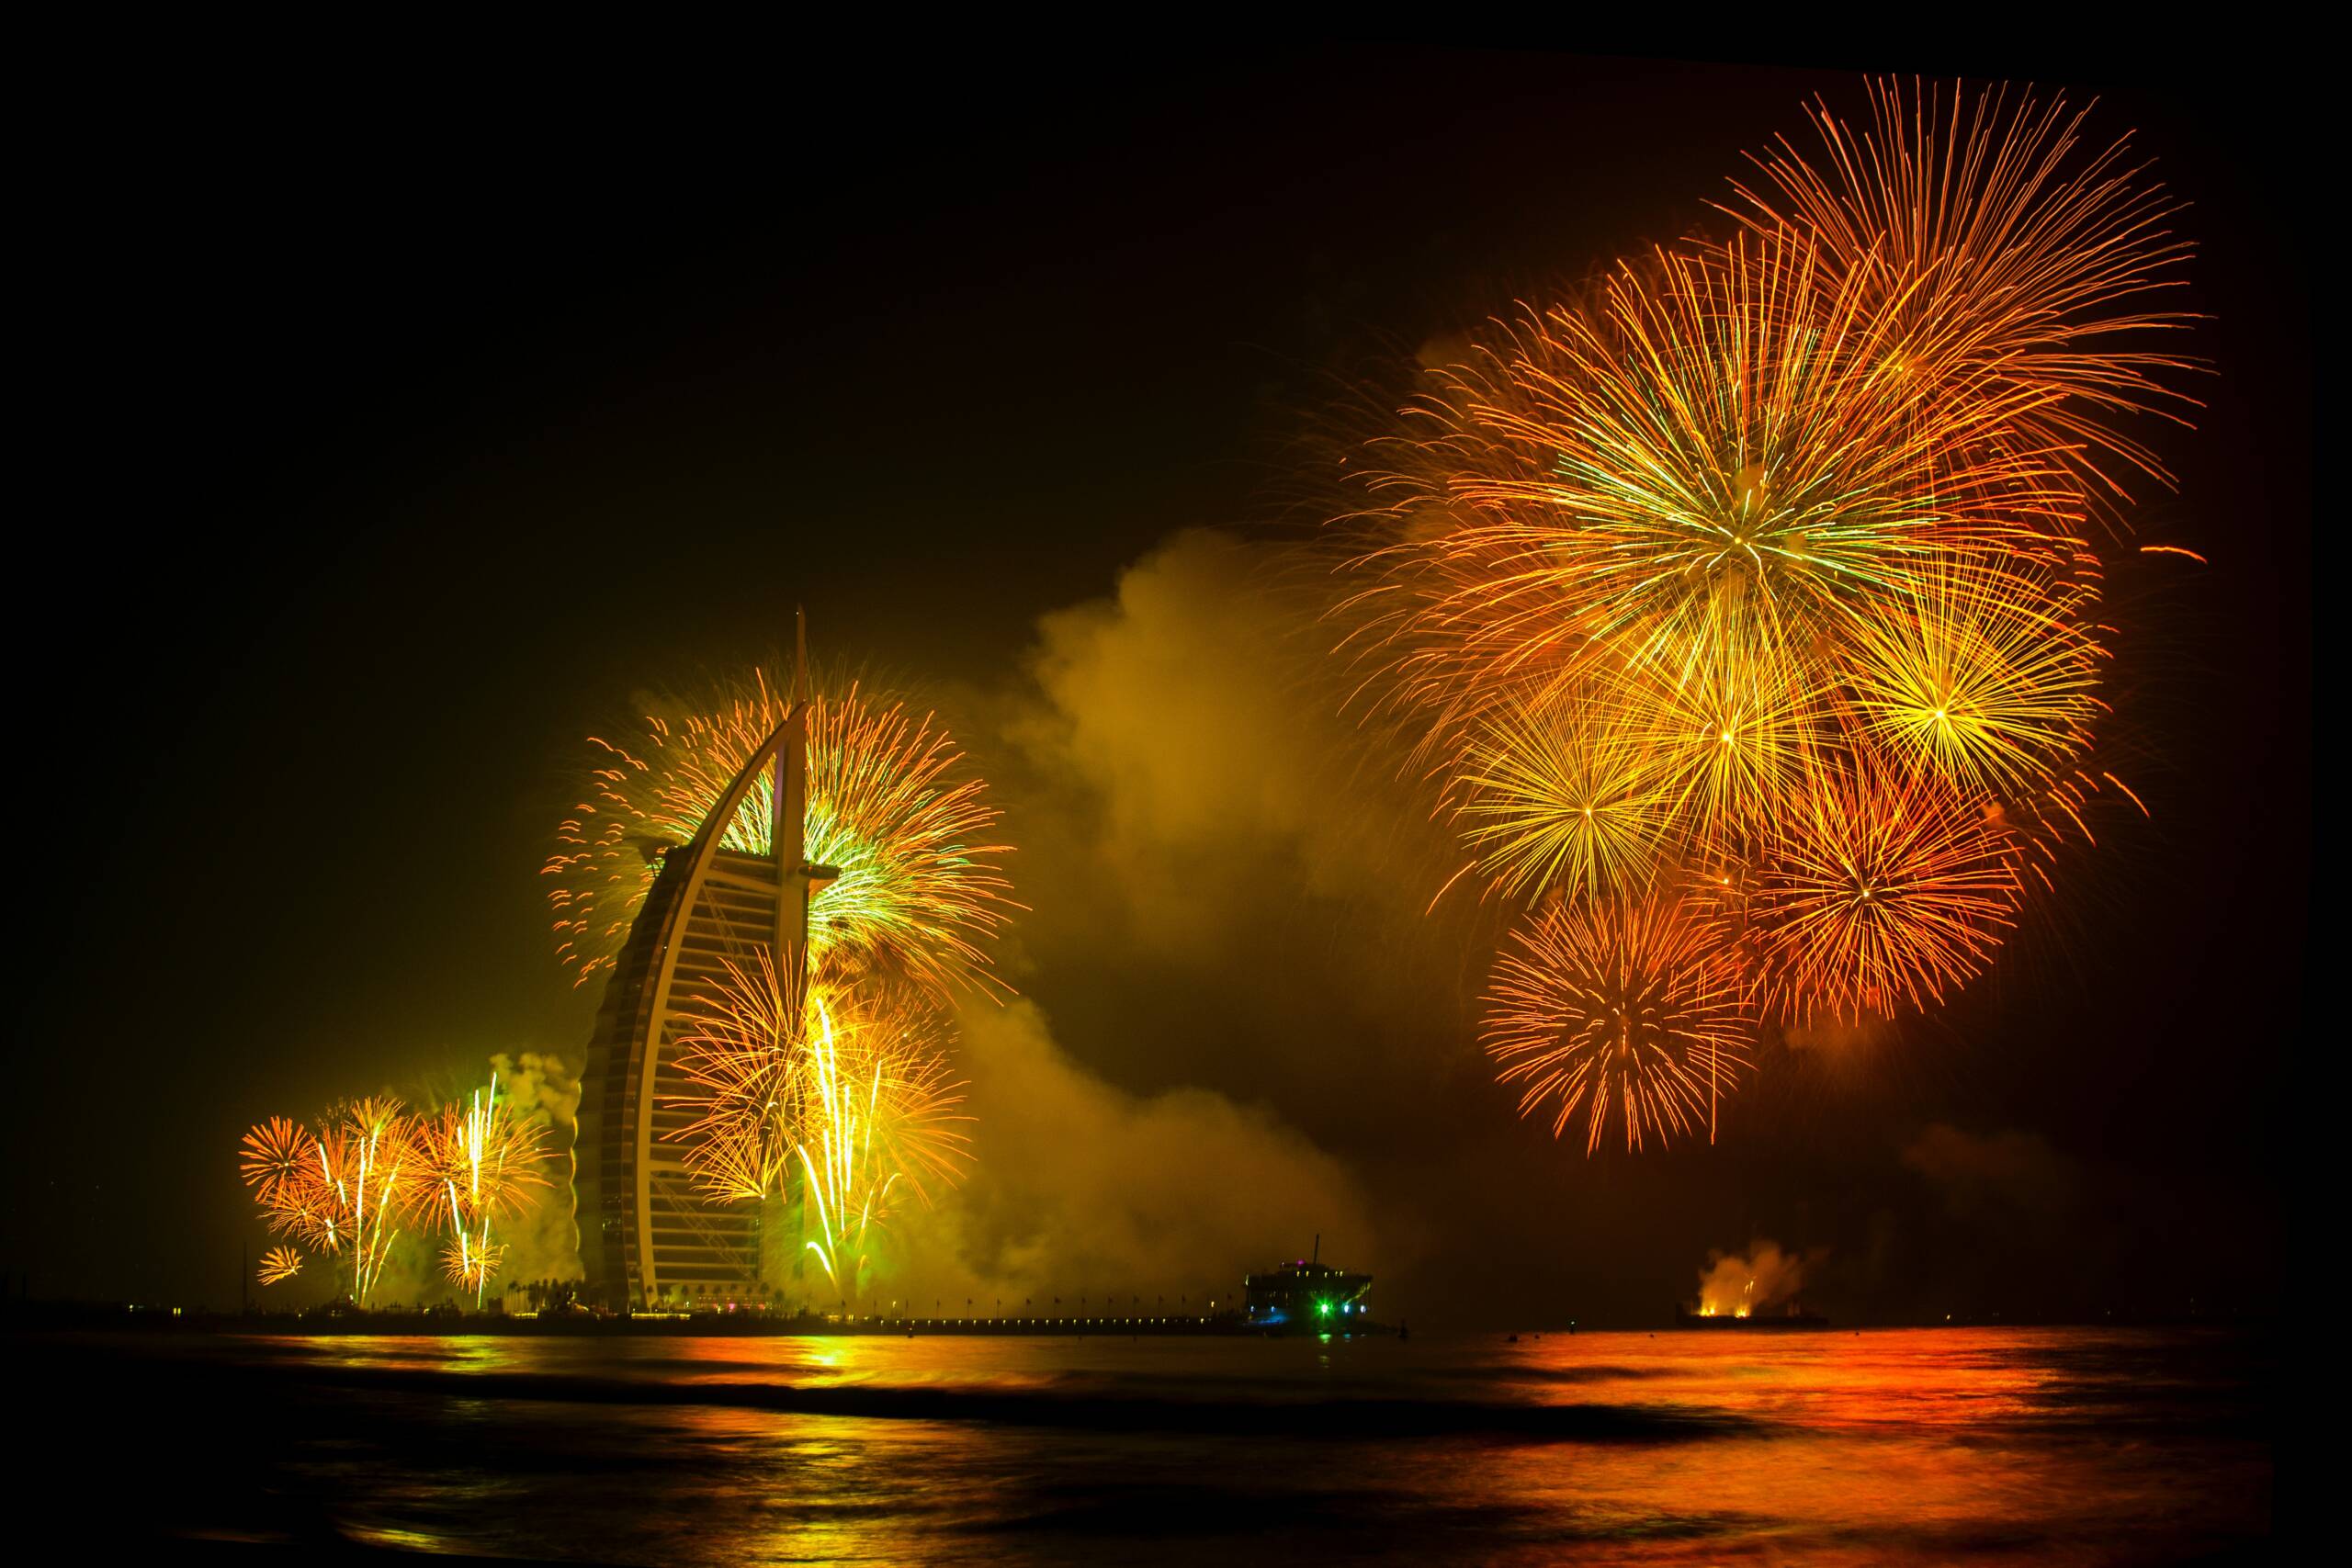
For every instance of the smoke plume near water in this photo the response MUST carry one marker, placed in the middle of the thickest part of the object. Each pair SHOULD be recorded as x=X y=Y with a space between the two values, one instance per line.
x=544 y=1241
x=1749 y=1284
x=1082 y=1189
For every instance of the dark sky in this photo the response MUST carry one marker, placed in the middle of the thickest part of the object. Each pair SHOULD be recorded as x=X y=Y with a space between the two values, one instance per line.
x=408 y=427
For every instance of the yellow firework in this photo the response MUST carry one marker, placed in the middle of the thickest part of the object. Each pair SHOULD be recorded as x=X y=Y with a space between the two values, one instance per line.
x=1729 y=711
x=742 y=1054
x=847 y=1108
x=1989 y=693
x=279 y=1263
x=891 y=806
x=1564 y=795
x=877 y=1117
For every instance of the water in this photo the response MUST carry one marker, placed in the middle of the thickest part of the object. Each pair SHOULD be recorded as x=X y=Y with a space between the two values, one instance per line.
x=1962 y=1445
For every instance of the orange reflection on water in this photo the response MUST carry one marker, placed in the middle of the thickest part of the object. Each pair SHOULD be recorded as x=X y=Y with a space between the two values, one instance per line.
x=1674 y=1448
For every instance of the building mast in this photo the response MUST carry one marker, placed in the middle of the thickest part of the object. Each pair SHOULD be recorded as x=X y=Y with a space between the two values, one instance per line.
x=796 y=877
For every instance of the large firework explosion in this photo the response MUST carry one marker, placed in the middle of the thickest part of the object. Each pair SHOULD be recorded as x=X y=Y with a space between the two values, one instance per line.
x=891 y=806
x=1748 y=601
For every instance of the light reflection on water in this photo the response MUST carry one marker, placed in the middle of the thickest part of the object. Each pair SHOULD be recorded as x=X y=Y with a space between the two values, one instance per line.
x=1991 y=1445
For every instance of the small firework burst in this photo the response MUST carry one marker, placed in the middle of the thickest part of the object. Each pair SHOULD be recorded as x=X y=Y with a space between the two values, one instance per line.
x=1620 y=1008
x=273 y=1156
x=1884 y=893
x=1561 y=796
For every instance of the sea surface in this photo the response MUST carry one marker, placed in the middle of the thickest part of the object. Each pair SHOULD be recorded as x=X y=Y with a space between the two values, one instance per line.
x=1972 y=1446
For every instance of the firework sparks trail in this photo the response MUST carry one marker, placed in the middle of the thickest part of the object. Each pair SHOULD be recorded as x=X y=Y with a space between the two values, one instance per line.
x=487 y=1163
x=373 y=1168
x=848 y=1115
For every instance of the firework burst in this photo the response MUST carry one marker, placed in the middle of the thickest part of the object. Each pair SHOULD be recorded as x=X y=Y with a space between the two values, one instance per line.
x=1559 y=795
x=1620 y=1008
x=743 y=1054
x=346 y=1190
x=890 y=807
x=1991 y=694
x=274 y=1156
x=1886 y=893
x=2001 y=259
x=486 y=1162
x=1754 y=584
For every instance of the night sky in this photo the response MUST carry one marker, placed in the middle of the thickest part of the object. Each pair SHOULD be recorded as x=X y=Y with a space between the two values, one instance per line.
x=415 y=428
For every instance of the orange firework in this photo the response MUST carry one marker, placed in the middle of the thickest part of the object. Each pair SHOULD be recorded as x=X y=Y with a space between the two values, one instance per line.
x=273 y=1156
x=484 y=1148
x=347 y=1189
x=1714 y=449
x=890 y=807
x=1621 y=1008
x=278 y=1264
x=1884 y=891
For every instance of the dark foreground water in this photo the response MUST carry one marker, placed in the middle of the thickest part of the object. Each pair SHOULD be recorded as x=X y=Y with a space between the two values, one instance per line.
x=1951 y=1445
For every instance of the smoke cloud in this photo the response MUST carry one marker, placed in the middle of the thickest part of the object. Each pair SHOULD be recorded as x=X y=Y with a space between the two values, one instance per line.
x=1185 y=727
x=1224 y=889
x=544 y=1243
x=1080 y=1187
x=1751 y=1282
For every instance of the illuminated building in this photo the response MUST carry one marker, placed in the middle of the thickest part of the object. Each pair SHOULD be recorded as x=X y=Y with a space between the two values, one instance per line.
x=646 y=1238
